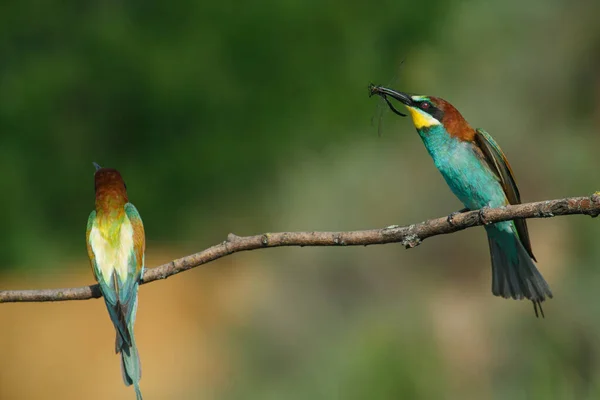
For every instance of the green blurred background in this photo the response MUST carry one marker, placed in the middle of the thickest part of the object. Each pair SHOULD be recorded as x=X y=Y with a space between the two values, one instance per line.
x=230 y=117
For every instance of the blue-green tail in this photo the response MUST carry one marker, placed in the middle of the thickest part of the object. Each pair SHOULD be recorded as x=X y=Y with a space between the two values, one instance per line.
x=514 y=275
x=131 y=367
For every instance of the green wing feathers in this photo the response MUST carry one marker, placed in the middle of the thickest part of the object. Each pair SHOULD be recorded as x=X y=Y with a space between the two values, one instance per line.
x=90 y=223
x=495 y=157
x=500 y=166
x=119 y=289
x=119 y=242
x=128 y=289
x=139 y=236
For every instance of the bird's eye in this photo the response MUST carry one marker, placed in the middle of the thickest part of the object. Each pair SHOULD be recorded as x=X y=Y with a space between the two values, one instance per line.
x=425 y=105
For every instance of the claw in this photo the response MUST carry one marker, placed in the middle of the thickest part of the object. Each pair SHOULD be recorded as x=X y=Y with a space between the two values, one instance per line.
x=482 y=217
x=450 y=218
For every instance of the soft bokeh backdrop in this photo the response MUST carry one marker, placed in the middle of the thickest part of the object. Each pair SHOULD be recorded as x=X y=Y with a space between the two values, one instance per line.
x=251 y=117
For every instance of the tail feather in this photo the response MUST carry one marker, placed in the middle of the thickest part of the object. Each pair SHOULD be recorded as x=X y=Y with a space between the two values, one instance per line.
x=138 y=393
x=131 y=368
x=514 y=275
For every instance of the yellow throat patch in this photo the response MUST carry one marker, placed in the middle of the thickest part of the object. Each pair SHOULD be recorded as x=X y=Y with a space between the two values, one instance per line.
x=421 y=119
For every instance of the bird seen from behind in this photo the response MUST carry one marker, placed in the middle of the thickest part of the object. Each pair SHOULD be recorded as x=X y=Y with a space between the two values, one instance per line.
x=116 y=244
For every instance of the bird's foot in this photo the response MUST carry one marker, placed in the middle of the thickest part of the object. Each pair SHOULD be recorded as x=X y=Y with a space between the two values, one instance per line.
x=482 y=217
x=450 y=218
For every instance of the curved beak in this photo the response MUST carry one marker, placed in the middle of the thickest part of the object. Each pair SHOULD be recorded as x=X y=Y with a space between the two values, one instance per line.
x=97 y=166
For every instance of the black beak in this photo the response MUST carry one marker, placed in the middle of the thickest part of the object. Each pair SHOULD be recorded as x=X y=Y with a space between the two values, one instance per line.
x=96 y=166
x=384 y=92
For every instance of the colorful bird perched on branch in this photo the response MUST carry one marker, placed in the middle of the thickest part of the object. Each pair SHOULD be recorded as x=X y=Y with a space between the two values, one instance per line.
x=116 y=244
x=478 y=174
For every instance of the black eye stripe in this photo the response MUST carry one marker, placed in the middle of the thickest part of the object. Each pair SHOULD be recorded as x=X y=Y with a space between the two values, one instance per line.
x=428 y=107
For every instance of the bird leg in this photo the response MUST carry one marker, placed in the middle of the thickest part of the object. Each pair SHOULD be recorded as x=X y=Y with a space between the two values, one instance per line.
x=482 y=217
x=450 y=218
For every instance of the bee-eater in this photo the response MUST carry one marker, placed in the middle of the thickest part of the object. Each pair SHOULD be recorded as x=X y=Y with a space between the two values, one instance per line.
x=116 y=244
x=480 y=176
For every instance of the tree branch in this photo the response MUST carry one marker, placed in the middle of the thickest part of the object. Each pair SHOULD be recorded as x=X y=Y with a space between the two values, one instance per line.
x=410 y=236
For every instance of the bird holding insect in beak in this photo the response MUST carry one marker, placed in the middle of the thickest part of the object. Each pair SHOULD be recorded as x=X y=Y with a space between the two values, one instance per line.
x=116 y=244
x=478 y=174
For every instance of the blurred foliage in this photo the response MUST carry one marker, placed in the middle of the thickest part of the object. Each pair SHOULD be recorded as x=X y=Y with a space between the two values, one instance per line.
x=195 y=102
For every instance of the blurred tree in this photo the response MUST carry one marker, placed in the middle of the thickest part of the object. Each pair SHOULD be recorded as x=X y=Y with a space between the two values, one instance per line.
x=195 y=102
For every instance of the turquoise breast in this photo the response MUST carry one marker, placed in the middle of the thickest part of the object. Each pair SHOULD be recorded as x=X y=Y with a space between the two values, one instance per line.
x=469 y=178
